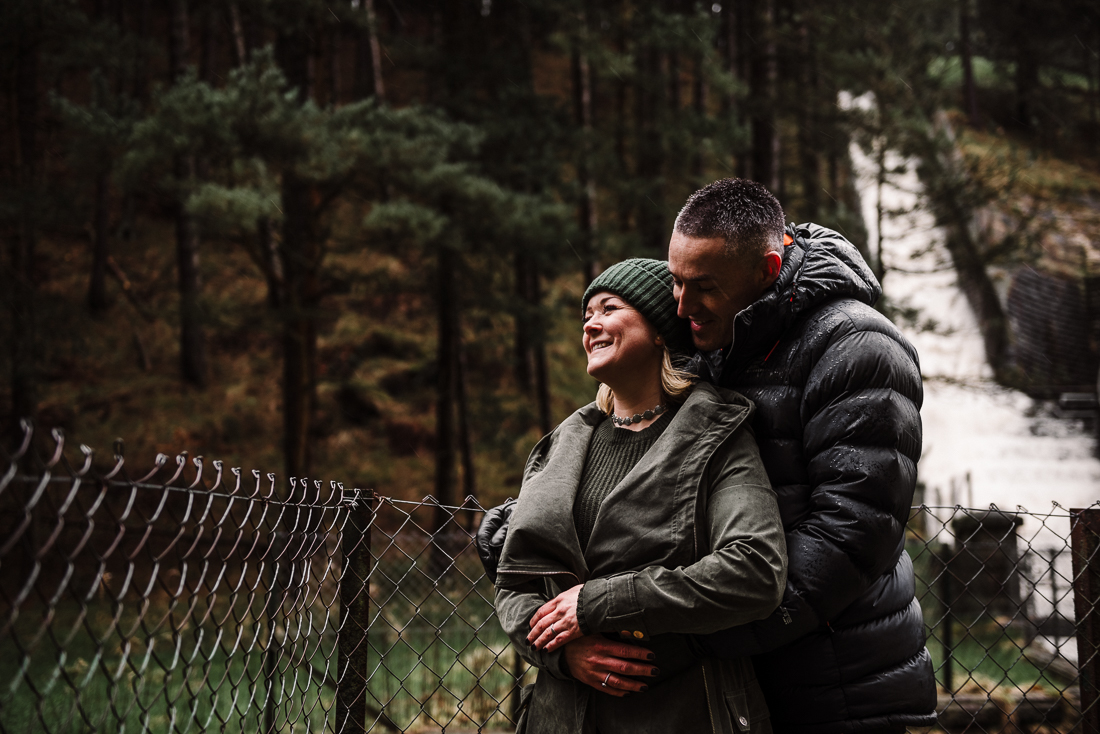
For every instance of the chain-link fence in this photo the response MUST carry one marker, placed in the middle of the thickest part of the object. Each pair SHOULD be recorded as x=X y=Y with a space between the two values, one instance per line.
x=1011 y=602
x=203 y=599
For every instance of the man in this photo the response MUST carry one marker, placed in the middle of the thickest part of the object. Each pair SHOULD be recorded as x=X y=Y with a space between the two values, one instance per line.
x=786 y=318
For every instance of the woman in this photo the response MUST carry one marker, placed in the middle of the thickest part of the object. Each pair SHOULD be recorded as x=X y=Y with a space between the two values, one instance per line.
x=644 y=516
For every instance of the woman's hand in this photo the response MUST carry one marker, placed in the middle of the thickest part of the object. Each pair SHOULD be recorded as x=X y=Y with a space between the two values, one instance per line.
x=606 y=665
x=555 y=623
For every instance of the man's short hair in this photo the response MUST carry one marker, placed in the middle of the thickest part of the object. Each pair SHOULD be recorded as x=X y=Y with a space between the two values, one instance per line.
x=740 y=211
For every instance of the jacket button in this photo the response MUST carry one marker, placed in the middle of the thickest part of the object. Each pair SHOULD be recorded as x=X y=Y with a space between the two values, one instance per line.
x=639 y=634
x=743 y=721
x=625 y=633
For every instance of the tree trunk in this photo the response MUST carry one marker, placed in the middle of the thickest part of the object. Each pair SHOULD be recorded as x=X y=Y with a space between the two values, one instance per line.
x=24 y=347
x=299 y=329
x=542 y=374
x=97 y=281
x=834 y=176
x=1027 y=78
x=97 y=285
x=649 y=155
x=179 y=42
x=980 y=292
x=765 y=133
x=587 y=217
x=945 y=181
x=446 y=389
x=675 y=87
x=335 y=35
x=531 y=369
x=240 y=48
x=735 y=20
x=969 y=91
x=1091 y=77
x=621 y=113
x=141 y=56
x=192 y=334
x=299 y=258
x=465 y=441
x=808 y=122
x=523 y=355
x=293 y=54
x=272 y=260
x=368 y=58
x=192 y=337
x=878 y=267
x=208 y=41
x=699 y=104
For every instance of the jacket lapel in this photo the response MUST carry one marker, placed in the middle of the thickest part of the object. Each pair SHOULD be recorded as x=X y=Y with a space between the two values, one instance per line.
x=542 y=537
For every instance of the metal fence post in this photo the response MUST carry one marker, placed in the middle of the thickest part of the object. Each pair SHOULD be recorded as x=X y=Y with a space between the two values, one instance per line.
x=1085 y=535
x=351 y=688
x=947 y=640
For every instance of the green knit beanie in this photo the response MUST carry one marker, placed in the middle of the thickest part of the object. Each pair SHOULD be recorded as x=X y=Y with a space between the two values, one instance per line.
x=647 y=286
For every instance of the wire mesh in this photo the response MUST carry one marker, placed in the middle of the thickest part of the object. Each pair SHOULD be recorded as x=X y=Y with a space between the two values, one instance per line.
x=998 y=590
x=439 y=659
x=185 y=600
x=199 y=599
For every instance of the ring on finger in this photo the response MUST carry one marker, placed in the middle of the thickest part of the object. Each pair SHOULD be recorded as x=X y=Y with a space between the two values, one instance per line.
x=552 y=630
x=604 y=684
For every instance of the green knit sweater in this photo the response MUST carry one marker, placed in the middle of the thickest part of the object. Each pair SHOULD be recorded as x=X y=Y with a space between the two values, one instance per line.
x=612 y=453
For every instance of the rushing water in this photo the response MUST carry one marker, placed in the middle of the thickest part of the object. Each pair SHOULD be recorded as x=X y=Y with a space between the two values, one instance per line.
x=982 y=443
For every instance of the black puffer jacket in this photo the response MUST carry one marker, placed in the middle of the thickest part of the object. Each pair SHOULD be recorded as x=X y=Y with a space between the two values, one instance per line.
x=838 y=393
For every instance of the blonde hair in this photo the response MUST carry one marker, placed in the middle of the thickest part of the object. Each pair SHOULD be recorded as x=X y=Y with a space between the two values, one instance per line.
x=675 y=383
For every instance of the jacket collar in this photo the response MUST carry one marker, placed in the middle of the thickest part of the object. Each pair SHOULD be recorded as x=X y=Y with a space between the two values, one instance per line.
x=819 y=265
x=542 y=538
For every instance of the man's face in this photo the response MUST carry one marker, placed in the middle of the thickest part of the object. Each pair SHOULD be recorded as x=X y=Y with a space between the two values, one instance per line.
x=710 y=287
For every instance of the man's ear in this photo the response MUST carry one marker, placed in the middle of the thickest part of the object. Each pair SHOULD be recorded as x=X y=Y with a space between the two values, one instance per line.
x=769 y=269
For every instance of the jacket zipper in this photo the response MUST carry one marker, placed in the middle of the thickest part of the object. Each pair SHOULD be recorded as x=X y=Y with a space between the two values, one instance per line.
x=710 y=709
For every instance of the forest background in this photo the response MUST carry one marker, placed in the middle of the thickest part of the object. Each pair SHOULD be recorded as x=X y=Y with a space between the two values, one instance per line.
x=347 y=239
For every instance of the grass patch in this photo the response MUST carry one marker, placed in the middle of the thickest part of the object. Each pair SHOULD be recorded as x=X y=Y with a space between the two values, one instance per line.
x=195 y=681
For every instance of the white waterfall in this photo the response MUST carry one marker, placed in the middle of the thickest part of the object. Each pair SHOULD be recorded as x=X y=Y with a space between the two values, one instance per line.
x=982 y=443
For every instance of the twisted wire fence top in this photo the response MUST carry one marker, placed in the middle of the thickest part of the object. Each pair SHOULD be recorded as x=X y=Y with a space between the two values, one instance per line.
x=181 y=600
x=192 y=598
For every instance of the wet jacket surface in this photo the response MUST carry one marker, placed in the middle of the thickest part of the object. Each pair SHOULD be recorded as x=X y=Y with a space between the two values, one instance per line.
x=689 y=541
x=838 y=392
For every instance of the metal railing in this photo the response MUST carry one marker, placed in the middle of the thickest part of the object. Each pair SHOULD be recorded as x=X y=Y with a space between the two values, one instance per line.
x=199 y=599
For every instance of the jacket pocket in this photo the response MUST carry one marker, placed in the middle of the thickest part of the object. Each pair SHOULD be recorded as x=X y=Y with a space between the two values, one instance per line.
x=748 y=711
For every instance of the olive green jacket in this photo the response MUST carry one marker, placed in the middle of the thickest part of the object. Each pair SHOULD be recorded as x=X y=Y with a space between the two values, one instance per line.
x=690 y=541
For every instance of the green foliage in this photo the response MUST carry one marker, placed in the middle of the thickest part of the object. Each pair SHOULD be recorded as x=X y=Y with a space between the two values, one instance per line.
x=100 y=130
x=481 y=148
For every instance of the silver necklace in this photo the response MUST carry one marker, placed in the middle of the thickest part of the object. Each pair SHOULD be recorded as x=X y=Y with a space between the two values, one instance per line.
x=637 y=417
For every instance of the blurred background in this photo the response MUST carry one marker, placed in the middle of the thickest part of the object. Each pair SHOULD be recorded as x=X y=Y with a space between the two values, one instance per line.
x=347 y=239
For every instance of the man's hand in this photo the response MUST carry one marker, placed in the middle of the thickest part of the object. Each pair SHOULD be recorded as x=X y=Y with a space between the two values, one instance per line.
x=556 y=623
x=603 y=664
x=489 y=540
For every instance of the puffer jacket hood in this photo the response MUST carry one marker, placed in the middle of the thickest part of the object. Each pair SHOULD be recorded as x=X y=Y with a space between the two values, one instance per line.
x=818 y=266
x=838 y=392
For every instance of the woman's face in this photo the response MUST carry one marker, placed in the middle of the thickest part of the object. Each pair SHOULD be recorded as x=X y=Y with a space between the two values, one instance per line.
x=620 y=343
